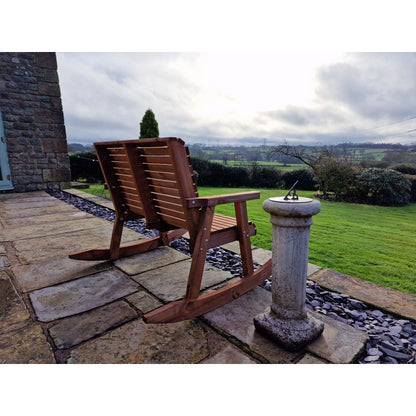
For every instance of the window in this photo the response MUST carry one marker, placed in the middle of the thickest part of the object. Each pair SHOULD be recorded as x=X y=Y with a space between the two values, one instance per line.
x=5 y=179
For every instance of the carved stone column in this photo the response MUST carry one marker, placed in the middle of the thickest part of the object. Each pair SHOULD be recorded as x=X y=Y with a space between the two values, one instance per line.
x=287 y=321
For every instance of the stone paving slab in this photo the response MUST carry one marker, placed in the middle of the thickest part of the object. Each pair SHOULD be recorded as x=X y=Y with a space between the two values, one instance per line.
x=139 y=343
x=75 y=302
x=80 y=295
x=76 y=329
x=339 y=343
x=261 y=256
x=78 y=192
x=235 y=320
x=24 y=197
x=143 y=301
x=381 y=297
x=4 y=198
x=311 y=359
x=43 y=218
x=26 y=345
x=230 y=355
x=43 y=248
x=51 y=228
x=312 y=268
x=234 y=247
x=150 y=260
x=96 y=199
x=41 y=202
x=55 y=270
x=35 y=212
x=169 y=283
x=13 y=313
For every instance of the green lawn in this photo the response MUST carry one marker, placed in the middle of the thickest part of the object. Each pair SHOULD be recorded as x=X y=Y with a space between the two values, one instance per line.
x=373 y=243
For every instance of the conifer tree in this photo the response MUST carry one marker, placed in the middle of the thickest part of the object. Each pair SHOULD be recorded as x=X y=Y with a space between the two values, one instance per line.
x=148 y=126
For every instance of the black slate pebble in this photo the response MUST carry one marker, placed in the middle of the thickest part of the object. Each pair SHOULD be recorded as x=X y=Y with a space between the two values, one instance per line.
x=392 y=341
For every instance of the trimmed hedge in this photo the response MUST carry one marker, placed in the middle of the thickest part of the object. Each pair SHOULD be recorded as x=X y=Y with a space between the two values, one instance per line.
x=369 y=186
x=215 y=174
x=304 y=176
x=85 y=165
x=265 y=177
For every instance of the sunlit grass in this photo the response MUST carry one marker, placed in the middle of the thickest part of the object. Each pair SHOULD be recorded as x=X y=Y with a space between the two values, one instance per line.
x=373 y=243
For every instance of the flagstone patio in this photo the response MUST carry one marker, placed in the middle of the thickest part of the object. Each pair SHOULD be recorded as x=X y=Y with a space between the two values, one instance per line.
x=57 y=310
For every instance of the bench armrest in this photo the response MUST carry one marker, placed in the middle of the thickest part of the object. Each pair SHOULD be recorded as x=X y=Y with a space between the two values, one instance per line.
x=208 y=201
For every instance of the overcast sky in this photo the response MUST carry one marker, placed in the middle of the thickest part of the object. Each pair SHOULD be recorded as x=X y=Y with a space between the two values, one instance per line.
x=271 y=91
x=241 y=98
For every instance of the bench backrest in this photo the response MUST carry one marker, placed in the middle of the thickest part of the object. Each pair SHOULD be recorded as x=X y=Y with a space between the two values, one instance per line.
x=150 y=178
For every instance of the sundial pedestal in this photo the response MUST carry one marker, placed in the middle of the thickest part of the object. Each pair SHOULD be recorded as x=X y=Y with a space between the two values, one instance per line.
x=287 y=321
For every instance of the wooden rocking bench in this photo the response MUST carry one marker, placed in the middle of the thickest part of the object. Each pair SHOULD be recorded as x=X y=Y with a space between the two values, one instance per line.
x=154 y=179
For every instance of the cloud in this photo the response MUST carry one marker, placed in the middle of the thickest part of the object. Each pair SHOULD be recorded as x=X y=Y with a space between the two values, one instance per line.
x=105 y=95
x=378 y=86
x=303 y=97
x=354 y=100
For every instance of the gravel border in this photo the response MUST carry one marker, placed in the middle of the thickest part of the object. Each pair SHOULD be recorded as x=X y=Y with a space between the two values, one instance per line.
x=392 y=339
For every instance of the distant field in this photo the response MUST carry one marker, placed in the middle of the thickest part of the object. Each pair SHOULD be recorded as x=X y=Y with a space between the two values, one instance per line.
x=373 y=243
x=280 y=166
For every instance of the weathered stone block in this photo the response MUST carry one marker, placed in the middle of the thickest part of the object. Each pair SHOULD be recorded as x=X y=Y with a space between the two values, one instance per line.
x=235 y=319
x=43 y=248
x=47 y=88
x=140 y=343
x=12 y=310
x=143 y=301
x=81 y=295
x=150 y=260
x=230 y=355
x=310 y=359
x=54 y=271
x=55 y=175
x=339 y=343
x=169 y=283
x=46 y=60
x=30 y=102
x=76 y=329
x=50 y=75
x=42 y=230
x=55 y=145
x=26 y=345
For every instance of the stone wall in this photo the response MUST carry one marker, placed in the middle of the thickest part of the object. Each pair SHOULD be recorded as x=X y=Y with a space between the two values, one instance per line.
x=30 y=102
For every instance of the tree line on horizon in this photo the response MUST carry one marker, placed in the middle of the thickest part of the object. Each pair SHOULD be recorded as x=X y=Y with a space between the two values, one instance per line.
x=331 y=170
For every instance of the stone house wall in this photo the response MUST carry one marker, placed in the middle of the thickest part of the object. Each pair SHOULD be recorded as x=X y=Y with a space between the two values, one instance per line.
x=33 y=120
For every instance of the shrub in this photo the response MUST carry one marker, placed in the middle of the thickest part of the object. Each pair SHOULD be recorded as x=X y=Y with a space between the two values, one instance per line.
x=405 y=168
x=383 y=187
x=304 y=176
x=85 y=165
x=412 y=179
x=149 y=127
x=335 y=175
